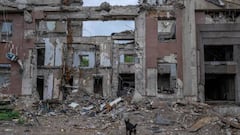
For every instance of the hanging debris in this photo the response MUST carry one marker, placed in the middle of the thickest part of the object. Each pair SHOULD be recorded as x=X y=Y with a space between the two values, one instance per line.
x=217 y=2
x=27 y=17
x=14 y=58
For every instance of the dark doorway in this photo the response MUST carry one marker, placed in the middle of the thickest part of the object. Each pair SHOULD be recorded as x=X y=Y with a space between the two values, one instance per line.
x=98 y=85
x=40 y=86
x=126 y=84
x=40 y=56
x=219 y=87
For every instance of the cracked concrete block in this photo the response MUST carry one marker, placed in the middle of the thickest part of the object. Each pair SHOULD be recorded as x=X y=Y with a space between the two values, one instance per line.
x=27 y=17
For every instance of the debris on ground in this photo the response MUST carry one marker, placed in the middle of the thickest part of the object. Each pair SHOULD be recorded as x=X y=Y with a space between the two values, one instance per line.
x=93 y=114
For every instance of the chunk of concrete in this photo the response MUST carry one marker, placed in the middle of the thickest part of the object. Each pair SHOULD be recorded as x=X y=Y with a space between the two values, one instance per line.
x=202 y=122
x=73 y=105
x=27 y=17
x=137 y=97
x=160 y=120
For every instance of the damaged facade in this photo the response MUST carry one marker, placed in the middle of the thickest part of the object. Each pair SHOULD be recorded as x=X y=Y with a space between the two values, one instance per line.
x=173 y=49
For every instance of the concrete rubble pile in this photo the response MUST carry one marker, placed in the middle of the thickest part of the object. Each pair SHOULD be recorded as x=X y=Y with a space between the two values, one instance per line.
x=97 y=115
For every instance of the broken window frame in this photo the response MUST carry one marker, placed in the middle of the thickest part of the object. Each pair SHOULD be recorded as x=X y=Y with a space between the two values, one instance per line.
x=8 y=31
x=167 y=36
x=84 y=61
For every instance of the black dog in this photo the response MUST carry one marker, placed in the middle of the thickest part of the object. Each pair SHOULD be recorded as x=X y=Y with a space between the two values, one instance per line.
x=130 y=127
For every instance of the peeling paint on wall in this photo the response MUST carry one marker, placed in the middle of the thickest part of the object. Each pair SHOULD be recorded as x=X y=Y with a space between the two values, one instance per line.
x=48 y=91
x=172 y=58
x=105 y=60
x=122 y=58
x=179 y=86
x=58 y=53
x=27 y=84
x=49 y=52
x=56 y=92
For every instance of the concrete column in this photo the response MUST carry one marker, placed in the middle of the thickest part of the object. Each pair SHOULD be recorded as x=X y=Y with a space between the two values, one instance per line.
x=152 y=81
x=237 y=78
x=189 y=50
x=140 y=39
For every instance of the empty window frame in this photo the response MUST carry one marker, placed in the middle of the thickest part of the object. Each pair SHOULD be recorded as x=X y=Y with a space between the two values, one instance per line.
x=218 y=53
x=84 y=60
x=106 y=28
x=166 y=30
x=6 y=30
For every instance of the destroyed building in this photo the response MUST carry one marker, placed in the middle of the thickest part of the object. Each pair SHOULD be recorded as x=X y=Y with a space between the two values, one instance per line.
x=172 y=49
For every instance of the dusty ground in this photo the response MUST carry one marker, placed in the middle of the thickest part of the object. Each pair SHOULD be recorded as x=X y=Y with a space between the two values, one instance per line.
x=153 y=116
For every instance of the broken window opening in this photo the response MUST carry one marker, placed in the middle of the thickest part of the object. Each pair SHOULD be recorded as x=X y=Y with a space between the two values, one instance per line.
x=123 y=42
x=40 y=86
x=98 y=85
x=106 y=28
x=6 y=30
x=111 y=2
x=219 y=87
x=166 y=30
x=126 y=84
x=166 y=78
x=40 y=56
x=84 y=60
x=5 y=74
x=218 y=53
x=164 y=83
x=129 y=58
